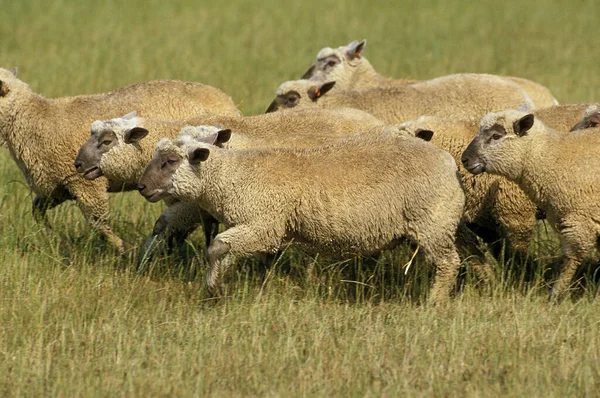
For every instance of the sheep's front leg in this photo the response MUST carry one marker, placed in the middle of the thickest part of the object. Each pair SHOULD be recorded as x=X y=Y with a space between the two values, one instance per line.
x=237 y=242
x=92 y=199
x=174 y=225
x=40 y=206
x=577 y=239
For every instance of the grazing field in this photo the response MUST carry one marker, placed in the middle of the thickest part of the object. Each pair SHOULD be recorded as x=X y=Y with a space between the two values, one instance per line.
x=76 y=319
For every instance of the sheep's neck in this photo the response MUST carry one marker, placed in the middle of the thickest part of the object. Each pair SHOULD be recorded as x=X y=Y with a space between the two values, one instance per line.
x=534 y=170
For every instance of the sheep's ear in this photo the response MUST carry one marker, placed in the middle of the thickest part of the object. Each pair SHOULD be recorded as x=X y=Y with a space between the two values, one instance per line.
x=425 y=135
x=130 y=115
x=522 y=126
x=3 y=89
x=524 y=108
x=315 y=92
x=218 y=138
x=134 y=135
x=309 y=73
x=355 y=48
x=197 y=155
x=14 y=71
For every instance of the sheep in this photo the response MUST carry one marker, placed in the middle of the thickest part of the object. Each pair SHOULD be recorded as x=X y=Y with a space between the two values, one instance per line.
x=351 y=70
x=42 y=136
x=495 y=208
x=357 y=195
x=133 y=139
x=569 y=117
x=464 y=96
x=555 y=170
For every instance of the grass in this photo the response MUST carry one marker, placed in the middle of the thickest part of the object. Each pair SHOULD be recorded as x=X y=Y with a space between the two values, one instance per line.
x=75 y=318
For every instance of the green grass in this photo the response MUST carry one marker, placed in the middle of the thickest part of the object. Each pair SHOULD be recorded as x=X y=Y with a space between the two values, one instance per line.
x=75 y=318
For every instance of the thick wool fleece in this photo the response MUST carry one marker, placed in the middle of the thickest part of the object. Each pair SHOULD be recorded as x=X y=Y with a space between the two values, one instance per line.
x=557 y=172
x=564 y=117
x=358 y=195
x=43 y=135
x=495 y=205
x=354 y=73
x=462 y=96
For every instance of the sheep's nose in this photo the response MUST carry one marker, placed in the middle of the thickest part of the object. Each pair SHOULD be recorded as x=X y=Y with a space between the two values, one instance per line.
x=141 y=187
x=465 y=160
x=77 y=164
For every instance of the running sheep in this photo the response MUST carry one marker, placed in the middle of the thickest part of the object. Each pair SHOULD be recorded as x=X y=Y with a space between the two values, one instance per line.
x=43 y=136
x=358 y=195
x=351 y=70
x=462 y=96
x=555 y=170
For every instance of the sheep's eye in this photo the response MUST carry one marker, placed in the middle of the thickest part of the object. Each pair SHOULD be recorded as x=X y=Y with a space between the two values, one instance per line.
x=292 y=100
x=171 y=161
x=106 y=142
x=496 y=136
x=331 y=63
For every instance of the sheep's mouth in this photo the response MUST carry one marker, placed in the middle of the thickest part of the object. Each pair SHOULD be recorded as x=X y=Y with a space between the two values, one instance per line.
x=476 y=168
x=92 y=173
x=156 y=195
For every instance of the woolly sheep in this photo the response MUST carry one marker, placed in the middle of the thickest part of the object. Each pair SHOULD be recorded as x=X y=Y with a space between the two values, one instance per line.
x=351 y=70
x=358 y=195
x=569 y=117
x=43 y=135
x=463 y=96
x=131 y=142
x=555 y=170
x=495 y=208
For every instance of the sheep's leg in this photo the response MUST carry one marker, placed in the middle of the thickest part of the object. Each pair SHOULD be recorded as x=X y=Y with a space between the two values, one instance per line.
x=174 y=225
x=40 y=206
x=441 y=251
x=577 y=239
x=468 y=247
x=236 y=242
x=92 y=199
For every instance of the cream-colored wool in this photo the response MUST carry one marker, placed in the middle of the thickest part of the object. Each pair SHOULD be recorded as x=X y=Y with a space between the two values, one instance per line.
x=555 y=170
x=566 y=117
x=491 y=202
x=357 y=195
x=463 y=96
x=351 y=71
x=43 y=135
x=123 y=164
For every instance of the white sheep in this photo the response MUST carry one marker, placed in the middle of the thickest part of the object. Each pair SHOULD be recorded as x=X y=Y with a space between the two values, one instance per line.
x=43 y=135
x=358 y=195
x=120 y=148
x=351 y=70
x=462 y=96
x=555 y=170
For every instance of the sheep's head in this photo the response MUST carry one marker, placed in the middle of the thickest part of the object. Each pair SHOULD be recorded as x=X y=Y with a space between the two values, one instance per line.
x=590 y=119
x=299 y=94
x=104 y=136
x=157 y=181
x=499 y=147
x=203 y=132
x=337 y=64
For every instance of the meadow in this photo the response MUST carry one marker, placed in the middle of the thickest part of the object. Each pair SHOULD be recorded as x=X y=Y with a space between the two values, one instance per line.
x=76 y=319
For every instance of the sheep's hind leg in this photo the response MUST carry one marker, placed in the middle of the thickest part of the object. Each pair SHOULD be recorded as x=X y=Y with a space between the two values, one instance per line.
x=441 y=251
x=577 y=239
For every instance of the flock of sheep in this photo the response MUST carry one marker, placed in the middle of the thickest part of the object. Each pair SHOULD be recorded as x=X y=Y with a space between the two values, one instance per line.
x=343 y=162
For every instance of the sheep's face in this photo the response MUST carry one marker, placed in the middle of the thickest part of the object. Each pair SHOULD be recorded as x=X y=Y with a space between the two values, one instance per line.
x=104 y=137
x=10 y=86
x=299 y=94
x=591 y=119
x=157 y=181
x=496 y=149
x=336 y=64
